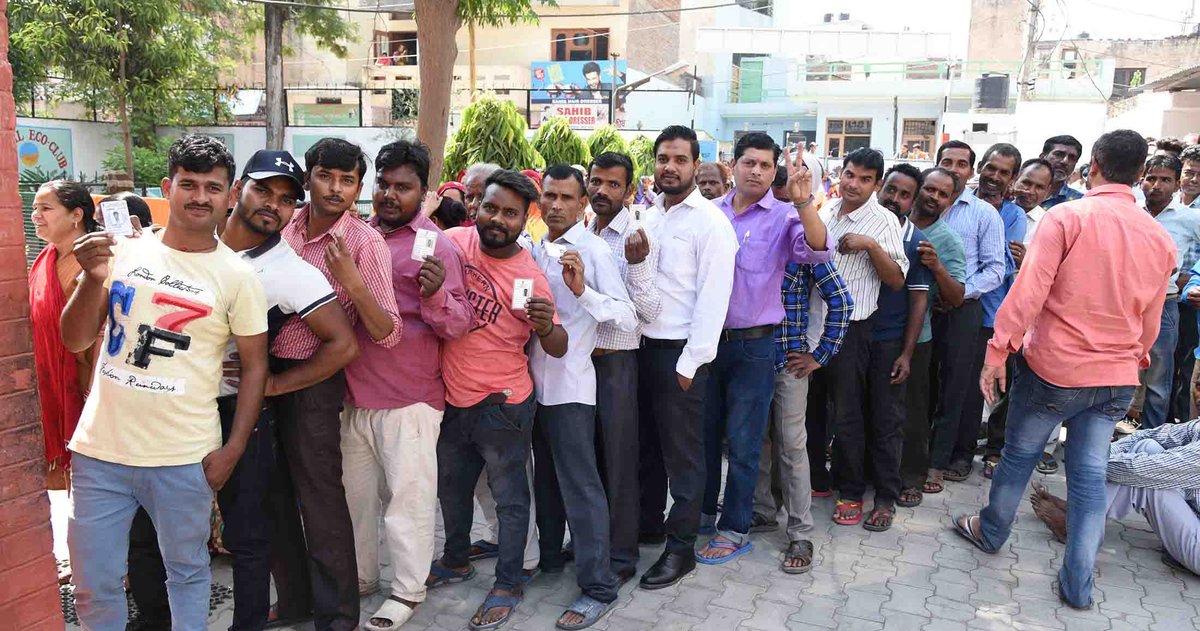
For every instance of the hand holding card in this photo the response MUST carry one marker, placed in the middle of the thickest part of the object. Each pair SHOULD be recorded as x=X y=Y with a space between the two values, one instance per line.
x=424 y=244
x=116 y=218
x=522 y=292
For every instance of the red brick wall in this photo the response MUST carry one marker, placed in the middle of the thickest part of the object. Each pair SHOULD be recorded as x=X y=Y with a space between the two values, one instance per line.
x=28 y=579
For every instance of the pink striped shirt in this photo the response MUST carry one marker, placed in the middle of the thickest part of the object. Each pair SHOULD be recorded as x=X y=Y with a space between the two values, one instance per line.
x=374 y=263
x=1087 y=303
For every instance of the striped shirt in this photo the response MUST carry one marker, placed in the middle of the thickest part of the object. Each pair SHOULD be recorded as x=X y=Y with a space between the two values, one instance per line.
x=1176 y=468
x=371 y=257
x=791 y=335
x=640 y=282
x=982 y=232
x=1183 y=224
x=855 y=268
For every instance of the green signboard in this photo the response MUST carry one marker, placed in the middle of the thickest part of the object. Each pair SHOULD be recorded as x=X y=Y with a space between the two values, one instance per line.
x=44 y=153
x=325 y=115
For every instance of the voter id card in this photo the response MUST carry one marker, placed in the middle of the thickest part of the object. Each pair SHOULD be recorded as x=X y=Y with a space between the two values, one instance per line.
x=636 y=214
x=522 y=292
x=423 y=246
x=116 y=218
x=555 y=250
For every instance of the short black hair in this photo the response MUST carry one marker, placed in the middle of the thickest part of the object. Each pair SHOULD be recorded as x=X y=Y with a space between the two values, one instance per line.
x=678 y=132
x=1064 y=139
x=1191 y=154
x=932 y=170
x=198 y=153
x=1169 y=144
x=72 y=195
x=866 y=157
x=137 y=206
x=756 y=140
x=1120 y=155
x=450 y=212
x=781 y=177
x=404 y=153
x=1165 y=162
x=1003 y=149
x=565 y=172
x=335 y=153
x=591 y=66
x=1041 y=163
x=955 y=144
x=610 y=159
x=906 y=169
x=516 y=182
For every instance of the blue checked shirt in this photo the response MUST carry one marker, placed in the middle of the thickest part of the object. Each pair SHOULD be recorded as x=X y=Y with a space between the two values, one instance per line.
x=1064 y=194
x=791 y=335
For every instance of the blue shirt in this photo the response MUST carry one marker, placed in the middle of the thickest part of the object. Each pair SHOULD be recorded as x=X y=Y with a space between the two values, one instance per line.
x=1015 y=224
x=982 y=233
x=1064 y=194
x=1193 y=283
x=1183 y=224
x=791 y=335
x=891 y=316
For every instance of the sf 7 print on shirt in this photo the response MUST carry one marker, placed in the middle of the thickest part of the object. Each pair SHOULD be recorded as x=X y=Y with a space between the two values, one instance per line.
x=167 y=329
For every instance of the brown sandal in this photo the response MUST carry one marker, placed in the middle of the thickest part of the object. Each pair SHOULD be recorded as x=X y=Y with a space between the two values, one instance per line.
x=798 y=551
x=880 y=518
x=934 y=482
x=910 y=497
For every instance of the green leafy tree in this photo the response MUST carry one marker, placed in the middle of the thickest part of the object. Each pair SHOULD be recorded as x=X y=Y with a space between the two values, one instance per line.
x=607 y=138
x=149 y=163
x=491 y=130
x=559 y=144
x=641 y=151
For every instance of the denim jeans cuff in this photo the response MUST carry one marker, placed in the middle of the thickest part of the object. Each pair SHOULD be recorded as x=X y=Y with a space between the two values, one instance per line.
x=735 y=537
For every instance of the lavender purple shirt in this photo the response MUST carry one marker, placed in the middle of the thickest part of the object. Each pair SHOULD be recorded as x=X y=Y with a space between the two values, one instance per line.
x=770 y=236
x=410 y=372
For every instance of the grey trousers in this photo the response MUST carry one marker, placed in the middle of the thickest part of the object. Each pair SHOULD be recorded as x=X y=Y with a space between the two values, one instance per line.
x=787 y=445
x=1169 y=514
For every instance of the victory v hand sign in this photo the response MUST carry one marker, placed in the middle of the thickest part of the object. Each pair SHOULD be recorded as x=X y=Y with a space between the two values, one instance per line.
x=799 y=182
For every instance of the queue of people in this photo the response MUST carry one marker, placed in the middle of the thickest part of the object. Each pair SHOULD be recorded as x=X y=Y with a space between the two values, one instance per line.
x=567 y=347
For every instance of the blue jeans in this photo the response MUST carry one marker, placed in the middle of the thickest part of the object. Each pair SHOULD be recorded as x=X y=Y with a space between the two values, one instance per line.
x=567 y=488
x=1157 y=377
x=1036 y=407
x=105 y=496
x=737 y=406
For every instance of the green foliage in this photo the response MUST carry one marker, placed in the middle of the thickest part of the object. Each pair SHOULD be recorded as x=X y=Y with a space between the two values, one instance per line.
x=607 y=138
x=641 y=150
x=149 y=163
x=491 y=130
x=499 y=12
x=559 y=144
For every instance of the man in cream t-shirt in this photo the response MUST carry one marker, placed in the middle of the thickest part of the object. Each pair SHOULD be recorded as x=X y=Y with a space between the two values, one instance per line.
x=150 y=434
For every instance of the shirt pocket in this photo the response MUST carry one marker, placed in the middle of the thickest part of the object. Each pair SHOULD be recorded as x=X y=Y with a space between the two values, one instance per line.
x=753 y=255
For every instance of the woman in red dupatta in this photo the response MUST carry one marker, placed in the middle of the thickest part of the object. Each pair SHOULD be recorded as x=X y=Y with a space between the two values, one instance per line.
x=62 y=212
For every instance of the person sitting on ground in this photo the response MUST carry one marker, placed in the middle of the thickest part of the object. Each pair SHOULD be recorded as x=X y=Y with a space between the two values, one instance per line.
x=1155 y=472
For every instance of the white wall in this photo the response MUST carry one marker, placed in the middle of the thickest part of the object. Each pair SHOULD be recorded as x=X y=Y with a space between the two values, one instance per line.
x=885 y=128
x=89 y=142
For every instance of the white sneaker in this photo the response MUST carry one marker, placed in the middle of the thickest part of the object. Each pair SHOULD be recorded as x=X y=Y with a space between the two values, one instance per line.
x=1127 y=426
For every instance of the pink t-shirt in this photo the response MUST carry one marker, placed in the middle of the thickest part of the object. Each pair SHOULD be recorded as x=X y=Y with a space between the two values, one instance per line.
x=491 y=358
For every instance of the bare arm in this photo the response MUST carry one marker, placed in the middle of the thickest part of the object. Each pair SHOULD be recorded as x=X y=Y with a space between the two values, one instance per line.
x=338 y=348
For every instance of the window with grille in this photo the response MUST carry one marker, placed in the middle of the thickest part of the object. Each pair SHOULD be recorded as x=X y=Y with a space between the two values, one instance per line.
x=578 y=44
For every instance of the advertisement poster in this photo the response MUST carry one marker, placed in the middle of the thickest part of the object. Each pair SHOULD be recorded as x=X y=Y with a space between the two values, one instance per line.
x=44 y=153
x=578 y=90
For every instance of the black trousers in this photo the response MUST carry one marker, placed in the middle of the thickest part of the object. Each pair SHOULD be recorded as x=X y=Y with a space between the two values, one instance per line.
x=998 y=419
x=885 y=422
x=956 y=345
x=675 y=418
x=617 y=448
x=246 y=535
x=817 y=423
x=849 y=388
x=914 y=461
x=312 y=549
x=1185 y=360
x=968 y=429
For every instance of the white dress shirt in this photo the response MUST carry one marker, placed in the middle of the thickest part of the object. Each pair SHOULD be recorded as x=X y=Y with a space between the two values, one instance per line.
x=1032 y=218
x=698 y=252
x=855 y=268
x=640 y=279
x=571 y=378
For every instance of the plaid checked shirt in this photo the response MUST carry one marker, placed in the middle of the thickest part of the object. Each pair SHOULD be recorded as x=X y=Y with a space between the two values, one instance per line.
x=791 y=335
x=1064 y=194
x=1176 y=468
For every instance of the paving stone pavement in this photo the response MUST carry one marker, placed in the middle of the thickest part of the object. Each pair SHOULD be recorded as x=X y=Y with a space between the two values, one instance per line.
x=918 y=576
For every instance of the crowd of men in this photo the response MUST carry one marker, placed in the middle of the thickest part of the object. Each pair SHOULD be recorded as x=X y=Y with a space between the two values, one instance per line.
x=326 y=374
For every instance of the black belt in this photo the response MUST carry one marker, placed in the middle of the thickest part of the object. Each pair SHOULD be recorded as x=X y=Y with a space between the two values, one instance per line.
x=752 y=333
x=650 y=342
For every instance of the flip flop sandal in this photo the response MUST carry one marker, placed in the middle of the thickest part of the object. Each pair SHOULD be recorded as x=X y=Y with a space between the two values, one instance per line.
x=714 y=543
x=494 y=601
x=817 y=493
x=847 y=513
x=481 y=550
x=914 y=497
x=802 y=550
x=933 y=482
x=440 y=576
x=964 y=529
x=591 y=609
x=1047 y=465
x=392 y=610
x=885 y=516
x=989 y=468
x=761 y=523
x=959 y=473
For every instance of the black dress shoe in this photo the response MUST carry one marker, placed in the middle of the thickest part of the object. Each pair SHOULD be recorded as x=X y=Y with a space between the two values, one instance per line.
x=670 y=568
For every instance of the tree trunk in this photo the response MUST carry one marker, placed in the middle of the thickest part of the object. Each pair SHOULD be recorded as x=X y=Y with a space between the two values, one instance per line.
x=437 y=22
x=273 y=16
x=123 y=105
x=471 y=54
